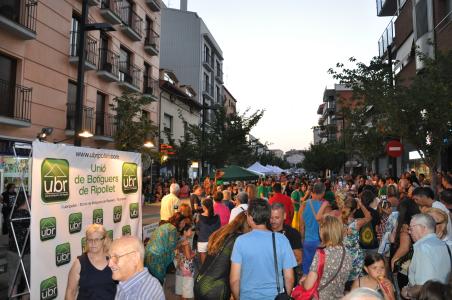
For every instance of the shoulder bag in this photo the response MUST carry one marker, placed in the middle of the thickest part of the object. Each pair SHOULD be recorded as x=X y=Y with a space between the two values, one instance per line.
x=281 y=295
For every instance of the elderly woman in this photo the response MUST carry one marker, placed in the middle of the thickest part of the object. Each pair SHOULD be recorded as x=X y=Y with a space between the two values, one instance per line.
x=337 y=262
x=161 y=245
x=90 y=276
x=441 y=220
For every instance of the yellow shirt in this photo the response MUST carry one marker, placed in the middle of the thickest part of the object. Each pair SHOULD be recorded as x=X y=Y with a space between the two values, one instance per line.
x=167 y=206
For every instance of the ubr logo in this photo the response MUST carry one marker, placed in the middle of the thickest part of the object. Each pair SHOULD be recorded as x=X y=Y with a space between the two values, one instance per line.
x=126 y=230
x=54 y=180
x=133 y=207
x=110 y=234
x=75 y=222
x=98 y=216
x=49 y=288
x=47 y=228
x=129 y=178
x=63 y=254
x=117 y=214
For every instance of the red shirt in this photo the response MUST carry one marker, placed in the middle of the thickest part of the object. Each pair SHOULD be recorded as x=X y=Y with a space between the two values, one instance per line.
x=222 y=211
x=288 y=206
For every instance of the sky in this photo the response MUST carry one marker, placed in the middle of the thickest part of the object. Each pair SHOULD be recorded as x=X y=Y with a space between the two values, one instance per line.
x=277 y=54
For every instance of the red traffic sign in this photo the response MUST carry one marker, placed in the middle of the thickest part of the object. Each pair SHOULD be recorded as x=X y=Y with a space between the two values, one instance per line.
x=394 y=148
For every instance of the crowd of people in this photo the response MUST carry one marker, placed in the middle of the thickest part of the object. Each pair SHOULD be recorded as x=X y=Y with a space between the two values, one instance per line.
x=309 y=238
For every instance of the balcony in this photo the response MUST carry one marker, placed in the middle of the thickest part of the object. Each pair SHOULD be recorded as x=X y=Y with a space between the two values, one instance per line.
x=132 y=24
x=150 y=87
x=93 y=2
x=105 y=127
x=87 y=119
x=90 y=51
x=111 y=11
x=219 y=75
x=386 y=8
x=207 y=61
x=151 y=43
x=108 y=67
x=19 y=17
x=386 y=40
x=129 y=77
x=15 y=104
x=154 y=5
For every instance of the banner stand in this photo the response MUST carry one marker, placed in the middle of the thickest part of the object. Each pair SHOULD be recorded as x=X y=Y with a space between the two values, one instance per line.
x=20 y=252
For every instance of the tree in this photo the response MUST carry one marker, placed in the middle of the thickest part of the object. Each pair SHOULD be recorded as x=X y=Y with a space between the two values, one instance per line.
x=225 y=140
x=132 y=126
x=419 y=110
x=321 y=157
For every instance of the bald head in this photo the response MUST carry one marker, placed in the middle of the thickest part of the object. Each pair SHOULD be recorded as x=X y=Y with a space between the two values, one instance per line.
x=126 y=257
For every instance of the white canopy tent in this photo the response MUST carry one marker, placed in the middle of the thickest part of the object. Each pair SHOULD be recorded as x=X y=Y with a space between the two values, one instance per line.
x=259 y=169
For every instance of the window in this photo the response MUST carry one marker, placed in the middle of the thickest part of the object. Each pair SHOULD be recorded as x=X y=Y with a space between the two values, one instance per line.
x=146 y=77
x=124 y=65
x=206 y=54
x=100 y=113
x=146 y=115
x=73 y=35
x=149 y=27
x=71 y=97
x=206 y=83
x=7 y=85
x=421 y=18
x=126 y=14
x=168 y=123
x=218 y=94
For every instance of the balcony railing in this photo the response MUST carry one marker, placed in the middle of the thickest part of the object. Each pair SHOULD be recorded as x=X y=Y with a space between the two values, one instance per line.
x=154 y=5
x=105 y=124
x=15 y=101
x=219 y=75
x=130 y=74
x=150 y=86
x=151 y=42
x=111 y=10
x=109 y=62
x=132 y=21
x=90 y=47
x=87 y=117
x=386 y=39
x=21 y=12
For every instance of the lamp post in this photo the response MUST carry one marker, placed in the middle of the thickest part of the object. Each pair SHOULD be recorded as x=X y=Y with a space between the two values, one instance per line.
x=78 y=119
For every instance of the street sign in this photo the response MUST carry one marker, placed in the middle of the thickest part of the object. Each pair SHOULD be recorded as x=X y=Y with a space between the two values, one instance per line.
x=394 y=148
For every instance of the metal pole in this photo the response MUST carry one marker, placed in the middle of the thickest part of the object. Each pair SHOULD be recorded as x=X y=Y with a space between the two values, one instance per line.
x=80 y=75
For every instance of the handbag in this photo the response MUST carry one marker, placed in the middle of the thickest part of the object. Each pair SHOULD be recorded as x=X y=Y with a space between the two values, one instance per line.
x=300 y=293
x=283 y=295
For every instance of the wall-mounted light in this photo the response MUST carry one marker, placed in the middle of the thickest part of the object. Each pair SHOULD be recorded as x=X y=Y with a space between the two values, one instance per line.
x=85 y=134
x=45 y=132
x=148 y=144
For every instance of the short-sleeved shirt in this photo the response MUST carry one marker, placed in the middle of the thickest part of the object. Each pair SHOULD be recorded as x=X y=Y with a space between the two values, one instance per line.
x=257 y=273
x=222 y=211
x=296 y=196
x=167 y=208
x=430 y=261
x=293 y=236
x=141 y=286
x=441 y=206
x=288 y=206
x=333 y=256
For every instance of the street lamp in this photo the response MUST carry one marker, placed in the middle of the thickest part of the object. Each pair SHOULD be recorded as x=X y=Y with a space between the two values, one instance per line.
x=81 y=71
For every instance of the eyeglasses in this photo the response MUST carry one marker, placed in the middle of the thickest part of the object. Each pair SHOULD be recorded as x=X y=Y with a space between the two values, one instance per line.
x=439 y=223
x=414 y=225
x=115 y=258
x=96 y=240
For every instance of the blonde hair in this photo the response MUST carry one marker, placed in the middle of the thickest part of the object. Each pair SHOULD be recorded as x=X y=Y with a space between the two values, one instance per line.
x=251 y=190
x=331 y=232
x=93 y=228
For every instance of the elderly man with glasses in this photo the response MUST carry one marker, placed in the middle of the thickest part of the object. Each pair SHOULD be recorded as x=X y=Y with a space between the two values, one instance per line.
x=431 y=258
x=126 y=257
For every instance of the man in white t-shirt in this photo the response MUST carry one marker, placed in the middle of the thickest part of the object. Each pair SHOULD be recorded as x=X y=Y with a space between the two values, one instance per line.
x=170 y=203
x=241 y=205
x=424 y=197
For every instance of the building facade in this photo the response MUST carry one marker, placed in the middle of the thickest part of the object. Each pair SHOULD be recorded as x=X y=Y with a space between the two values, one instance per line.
x=38 y=66
x=229 y=102
x=416 y=25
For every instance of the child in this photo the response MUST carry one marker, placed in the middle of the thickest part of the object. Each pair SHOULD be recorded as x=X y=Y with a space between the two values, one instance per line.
x=375 y=279
x=185 y=268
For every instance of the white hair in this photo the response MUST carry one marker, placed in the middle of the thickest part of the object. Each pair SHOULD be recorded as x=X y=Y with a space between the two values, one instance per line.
x=174 y=188
x=363 y=294
x=425 y=220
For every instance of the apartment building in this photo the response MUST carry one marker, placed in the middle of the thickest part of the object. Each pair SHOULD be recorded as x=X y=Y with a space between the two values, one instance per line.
x=331 y=122
x=189 y=49
x=229 y=102
x=179 y=108
x=38 y=67
x=422 y=25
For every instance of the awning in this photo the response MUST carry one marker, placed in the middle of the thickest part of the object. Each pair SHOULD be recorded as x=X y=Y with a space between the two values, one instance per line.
x=404 y=51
